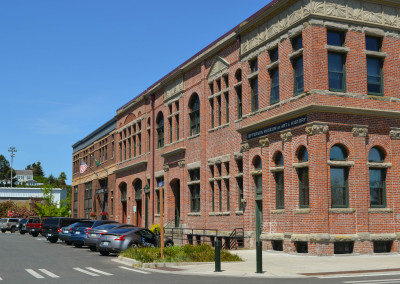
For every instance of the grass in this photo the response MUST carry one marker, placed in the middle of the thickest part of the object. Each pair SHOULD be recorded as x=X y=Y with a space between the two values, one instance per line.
x=186 y=253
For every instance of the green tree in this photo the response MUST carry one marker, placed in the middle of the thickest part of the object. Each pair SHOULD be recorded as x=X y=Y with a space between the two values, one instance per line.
x=5 y=171
x=62 y=178
x=36 y=168
x=48 y=207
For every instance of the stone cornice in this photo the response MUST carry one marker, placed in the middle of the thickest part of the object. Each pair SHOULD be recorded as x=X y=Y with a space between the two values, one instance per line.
x=174 y=152
x=317 y=128
x=360 y=131
x=133 y=166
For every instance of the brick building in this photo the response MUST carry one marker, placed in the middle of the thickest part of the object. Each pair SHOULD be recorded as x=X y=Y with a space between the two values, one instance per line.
x=287 y=126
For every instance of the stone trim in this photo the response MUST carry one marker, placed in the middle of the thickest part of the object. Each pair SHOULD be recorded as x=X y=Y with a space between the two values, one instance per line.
x=256 y=173
x=173 y=114
x=252 y=75
x=300 y=165
x=379 y=165
x=219 y=213
x=278 y=211
x=360 y=131
x=181 y=163
x=383 y=237
x=264 y=142
x=239 y=175
x=194 y=214
x=238 y=84
x=272 y=236
x=193 y=182
x=300 y=238
x=193 y=136
x=246 y=147
x=342 y=210
x=218 y=178
x=286 y=135
x=338 y=49
x=194 y=166
x=317 y=128
x=174 y=152
x=159 y=174
x=166 y=168
x=276 y=169
x=380 y=210
x=340 y=163
x=218 y=127
x=226 y=177
x=133 y=166
x=147 y=176
x=296 y=54
x=373 y=31
x=336 y=26
x=302 y=211
x=238 y=156
x=319 y=238
x=343 y=238
x=273 y=65
x=375 y=53
x=394 y=133
x=238 y=212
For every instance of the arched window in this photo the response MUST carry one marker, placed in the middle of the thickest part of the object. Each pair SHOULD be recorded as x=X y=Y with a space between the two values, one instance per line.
x=160 y=130
x=302 y=173
x=148 y=134
x=339 y=178
x=377 y=178
x=194 y=115
x=238 y=76
x=138 y=189
x=257 y=163
x=257 y=177
x=123 y=190
x=279 y=181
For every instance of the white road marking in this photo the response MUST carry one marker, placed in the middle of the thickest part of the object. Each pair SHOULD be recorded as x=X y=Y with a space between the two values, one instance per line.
x=52 y=275
x=1 y=278
x=375 y=281
x=98 y=271
x=135 y=270
x=34 y=273
x=360 y=275
x=86 y=272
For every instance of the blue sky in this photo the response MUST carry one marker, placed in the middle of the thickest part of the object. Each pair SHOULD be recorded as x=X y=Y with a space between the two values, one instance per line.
x=66 y=66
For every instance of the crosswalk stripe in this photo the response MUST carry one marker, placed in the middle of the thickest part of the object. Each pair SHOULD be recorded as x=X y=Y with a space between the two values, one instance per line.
x=1 y=278
x=98 y=271
x=382 y=282
x=86 y=272
x=374 y=281
x=135 y=270
x=52 y=275
x=34 y=273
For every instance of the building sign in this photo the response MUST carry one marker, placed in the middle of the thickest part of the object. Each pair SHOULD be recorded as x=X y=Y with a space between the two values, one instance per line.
x=277 y=127
x=101 y=190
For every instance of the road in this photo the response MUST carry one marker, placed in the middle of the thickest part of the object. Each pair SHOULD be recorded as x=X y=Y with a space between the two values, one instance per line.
x=25 y=259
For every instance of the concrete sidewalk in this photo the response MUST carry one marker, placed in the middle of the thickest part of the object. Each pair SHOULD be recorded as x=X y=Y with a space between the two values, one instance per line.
x=281 y=265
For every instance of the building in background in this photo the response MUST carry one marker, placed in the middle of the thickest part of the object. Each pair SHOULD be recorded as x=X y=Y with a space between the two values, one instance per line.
x=25 y=177
x=28 y=196
x=287 y=126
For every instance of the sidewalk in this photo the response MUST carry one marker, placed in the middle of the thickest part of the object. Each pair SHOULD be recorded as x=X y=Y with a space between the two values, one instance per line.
x=281 y=265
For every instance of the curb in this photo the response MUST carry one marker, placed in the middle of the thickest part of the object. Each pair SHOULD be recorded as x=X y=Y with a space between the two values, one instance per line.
x=134 y=262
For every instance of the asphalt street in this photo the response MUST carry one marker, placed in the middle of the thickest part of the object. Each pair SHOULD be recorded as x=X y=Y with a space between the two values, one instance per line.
x=25 y=259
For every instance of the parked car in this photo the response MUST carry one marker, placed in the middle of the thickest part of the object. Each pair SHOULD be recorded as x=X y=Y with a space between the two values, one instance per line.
x=52 y=226
x=34 y=226
x=65 y=232
x=121 y=239
x=79 y=231
x=93 y=235
x=21 y=226
x=8 y=224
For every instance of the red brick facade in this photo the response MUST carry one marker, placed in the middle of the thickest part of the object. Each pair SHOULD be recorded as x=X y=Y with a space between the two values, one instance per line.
x=351 y=118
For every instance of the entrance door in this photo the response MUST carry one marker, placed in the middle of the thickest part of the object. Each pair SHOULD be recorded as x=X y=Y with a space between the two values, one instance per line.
x=139 y=213
x=124 y=215
x=177 y=194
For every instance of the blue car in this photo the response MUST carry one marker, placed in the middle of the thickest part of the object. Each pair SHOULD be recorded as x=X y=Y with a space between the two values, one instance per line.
x=78 y=233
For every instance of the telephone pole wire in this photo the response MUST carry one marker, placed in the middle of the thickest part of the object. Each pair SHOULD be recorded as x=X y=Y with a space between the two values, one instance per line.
x=12 y=150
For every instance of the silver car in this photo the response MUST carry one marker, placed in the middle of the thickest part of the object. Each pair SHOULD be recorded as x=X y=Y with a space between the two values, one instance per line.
x=93 y=235
x=121 y=239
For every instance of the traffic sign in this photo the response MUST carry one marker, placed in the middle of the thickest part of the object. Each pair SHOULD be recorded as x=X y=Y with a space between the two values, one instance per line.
x=10 y=213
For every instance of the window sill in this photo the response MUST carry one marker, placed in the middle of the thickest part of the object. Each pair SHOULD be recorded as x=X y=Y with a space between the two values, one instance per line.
x=375 y=53
x=239 y=175
x=273 y=65
x=300 y=165
x=379 y=165
x=340 y=163
x=218 y=127
x=339 y=49
x=278 y=211
x=276 y=169
x=193 y=182
x=380 y=210
x=194 y=214
x=296 y=54
x=238 y=84
x=256 y=173
x=193 y=136
x=156 y=215
x=219 y=214
x=252 y=75
x=302 y=211
x=342 y=210
x=239 y=213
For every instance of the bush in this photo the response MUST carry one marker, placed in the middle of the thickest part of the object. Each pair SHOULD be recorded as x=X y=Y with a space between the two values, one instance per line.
x=186 y=253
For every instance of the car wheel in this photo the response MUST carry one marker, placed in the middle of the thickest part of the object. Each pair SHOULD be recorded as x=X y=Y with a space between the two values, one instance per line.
x=22 y=233
x=53 y=240
x=3 y=231
x=169 y=244
x=134 y=245
x=68 y=243
x=78 y=245
x=92 y=248
x=35 y=234
x=104 y=253
x=12 y=230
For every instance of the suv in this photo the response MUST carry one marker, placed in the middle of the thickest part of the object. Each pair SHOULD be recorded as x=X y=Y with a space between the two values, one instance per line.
x=21 y=226
x=53 y=225
x=34 y=226
x=8 y=224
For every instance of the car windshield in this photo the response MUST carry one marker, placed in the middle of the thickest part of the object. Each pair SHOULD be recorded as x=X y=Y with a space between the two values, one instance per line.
x=124 y=231
x=3 y=220
x=51 y=221
x=84 y=224
x=107 y=226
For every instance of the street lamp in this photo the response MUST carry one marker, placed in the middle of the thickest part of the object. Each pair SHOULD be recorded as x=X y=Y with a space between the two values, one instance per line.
x=12 y=150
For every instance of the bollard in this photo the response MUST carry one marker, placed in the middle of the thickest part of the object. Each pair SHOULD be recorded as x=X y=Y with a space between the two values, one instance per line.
x=217 y=256
x=259 y=256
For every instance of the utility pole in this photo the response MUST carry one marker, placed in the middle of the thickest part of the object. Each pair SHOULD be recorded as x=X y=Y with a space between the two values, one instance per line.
x=12 y=150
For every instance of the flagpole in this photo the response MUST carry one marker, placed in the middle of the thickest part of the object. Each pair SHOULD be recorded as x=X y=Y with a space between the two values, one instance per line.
x=98 y=163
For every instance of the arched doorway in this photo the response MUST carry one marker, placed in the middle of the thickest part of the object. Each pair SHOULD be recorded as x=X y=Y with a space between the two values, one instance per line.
x=176 y=190
x=138 y=197
x=123 y=190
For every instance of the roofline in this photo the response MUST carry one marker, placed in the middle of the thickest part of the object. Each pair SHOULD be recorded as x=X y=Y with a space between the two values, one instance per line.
x=105 y=125
x=237 y=27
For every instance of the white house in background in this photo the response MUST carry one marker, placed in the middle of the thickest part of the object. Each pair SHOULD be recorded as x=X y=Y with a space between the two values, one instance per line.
x=25 y=176
x=25 y=195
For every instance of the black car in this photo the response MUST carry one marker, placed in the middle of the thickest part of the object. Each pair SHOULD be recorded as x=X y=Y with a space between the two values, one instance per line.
x=53 y=225
x=21 y=226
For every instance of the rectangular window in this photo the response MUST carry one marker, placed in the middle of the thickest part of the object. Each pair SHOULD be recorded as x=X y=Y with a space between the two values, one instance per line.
x=298 y=75
x=170 y=129
x=337 y=67
x=226 y=81
x=177 y=127
x=254 y=94
x=219 y=110
x=239 y=102
x=303 y=188
x=134 y=146
x=339 y=187
x=212 y=112
x=279 y=186
x=377 y=186
x=240 y=193
x=374 y=76
x=88 y=199
x=130 y=149
x=297 y=43
x=274 y=86
x=274 y=55
x=75 y=202
x=227 y=195
x=227 y=107
x=149 y=144
x=336 y=38
x=220 y=195
x=240 y=165
x=373 y=43
x=219 y=85
x=194 y=191
x=253 y=65
x=140 y=143
x=212 y=197
x=211 y=88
